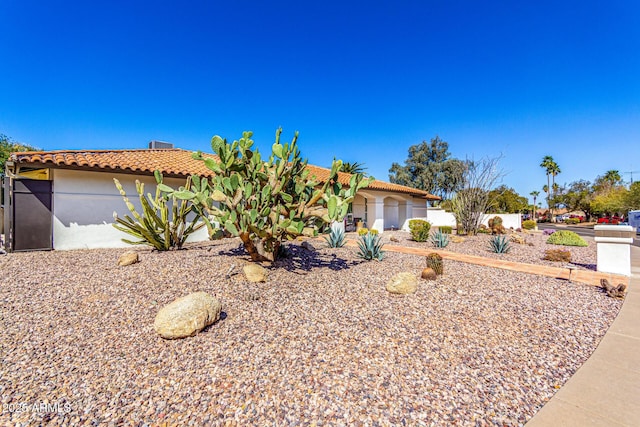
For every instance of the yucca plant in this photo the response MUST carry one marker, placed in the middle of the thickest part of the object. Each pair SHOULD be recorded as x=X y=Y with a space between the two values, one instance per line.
x=335 y=239
x=159 y=225
x=499 y=244
x=440 y=239
x=370 y=247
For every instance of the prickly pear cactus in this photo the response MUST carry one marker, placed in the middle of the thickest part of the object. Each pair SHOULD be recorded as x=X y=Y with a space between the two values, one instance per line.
x=268 y=201
x=434 y=262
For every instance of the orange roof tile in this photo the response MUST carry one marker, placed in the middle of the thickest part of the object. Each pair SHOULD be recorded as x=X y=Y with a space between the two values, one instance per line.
x=174 y=162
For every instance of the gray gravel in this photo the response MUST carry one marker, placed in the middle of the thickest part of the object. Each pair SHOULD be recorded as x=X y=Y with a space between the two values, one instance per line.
x=531 y=252
x=320 y=343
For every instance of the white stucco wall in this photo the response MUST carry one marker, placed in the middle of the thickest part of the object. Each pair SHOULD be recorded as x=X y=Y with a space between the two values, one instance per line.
x=84 y=203
x=439 y=217
x=508 y=220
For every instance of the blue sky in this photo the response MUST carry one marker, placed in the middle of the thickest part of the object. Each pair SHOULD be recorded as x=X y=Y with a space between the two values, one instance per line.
x=361 y=81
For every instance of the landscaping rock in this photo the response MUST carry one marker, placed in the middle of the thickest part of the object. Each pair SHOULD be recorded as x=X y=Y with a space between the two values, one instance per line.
x=187 y=316
x=403 y=283
x=456 y=239
x=429 y=274
x=516 y=238
x=394 y=239
x=255 y=273
x=128 y=258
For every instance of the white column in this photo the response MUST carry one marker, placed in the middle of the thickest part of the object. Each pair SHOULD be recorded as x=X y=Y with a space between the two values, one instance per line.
x=375 y=213
x=614 y=248
x=405 y=213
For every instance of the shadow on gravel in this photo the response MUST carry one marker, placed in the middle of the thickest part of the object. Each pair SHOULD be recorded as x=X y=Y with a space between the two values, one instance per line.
x=298 y=259
x=593 y=267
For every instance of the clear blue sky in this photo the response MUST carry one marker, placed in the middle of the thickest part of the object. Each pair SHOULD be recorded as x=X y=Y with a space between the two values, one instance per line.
x=361 y=81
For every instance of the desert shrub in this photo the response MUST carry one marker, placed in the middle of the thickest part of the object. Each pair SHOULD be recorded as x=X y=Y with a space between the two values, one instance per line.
x=566 y=238
x=571 y=221
x=446 y=229
x=557 y=255
x=419 y=229
x=548 y=232
x=529 y=224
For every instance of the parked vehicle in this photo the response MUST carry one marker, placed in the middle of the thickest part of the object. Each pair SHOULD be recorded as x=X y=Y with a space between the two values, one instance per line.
x=610 y=220
x=580 y=217
x=634 y=220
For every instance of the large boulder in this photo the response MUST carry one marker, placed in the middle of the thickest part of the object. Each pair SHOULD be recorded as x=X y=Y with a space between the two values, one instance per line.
x=187 y=316
x=403 y=283
x=255 y=273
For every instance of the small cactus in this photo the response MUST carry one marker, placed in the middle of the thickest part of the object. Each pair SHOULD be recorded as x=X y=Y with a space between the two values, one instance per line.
x=495 y=224
x=434 y=262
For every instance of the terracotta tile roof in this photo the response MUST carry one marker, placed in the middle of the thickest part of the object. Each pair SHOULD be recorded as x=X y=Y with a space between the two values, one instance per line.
x=323 y=174
x=171 y=162
x=175 y=162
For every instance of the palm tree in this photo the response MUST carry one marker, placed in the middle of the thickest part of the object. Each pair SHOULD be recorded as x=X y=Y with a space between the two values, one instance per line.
x=552 y=169
x=613 y=176
x=352 y=168
x=535 y=195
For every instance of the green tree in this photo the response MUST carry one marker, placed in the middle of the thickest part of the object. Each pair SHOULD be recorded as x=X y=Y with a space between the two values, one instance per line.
x=8 y=146
x=632 y=200
x=552 y=170
x=578 y=197
x=267 y=202
x=605 y=183
x=506 y=200
x=535 y=195
x=430 y=167
x=610 y=202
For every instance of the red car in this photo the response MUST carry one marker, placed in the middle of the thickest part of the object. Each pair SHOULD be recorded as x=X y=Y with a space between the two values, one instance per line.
x=610 y=220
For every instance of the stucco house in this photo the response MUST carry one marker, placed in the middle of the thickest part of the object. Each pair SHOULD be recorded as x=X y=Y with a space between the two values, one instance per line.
x=66 y=199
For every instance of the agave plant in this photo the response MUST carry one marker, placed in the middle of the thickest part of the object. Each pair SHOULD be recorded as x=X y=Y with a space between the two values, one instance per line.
x=370 y=247
x=336 y=238
x=499 y=244
x=440 y=239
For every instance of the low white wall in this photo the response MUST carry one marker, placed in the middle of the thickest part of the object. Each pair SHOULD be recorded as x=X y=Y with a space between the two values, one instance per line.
x=508 y=220
x=437 y=217
x=440 y=217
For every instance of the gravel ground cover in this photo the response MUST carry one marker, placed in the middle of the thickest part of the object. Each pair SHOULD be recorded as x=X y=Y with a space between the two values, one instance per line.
x=531 y=252
x=320 y=343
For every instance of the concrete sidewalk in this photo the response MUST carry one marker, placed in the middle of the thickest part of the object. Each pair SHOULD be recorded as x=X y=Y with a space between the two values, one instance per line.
x=605 y=391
